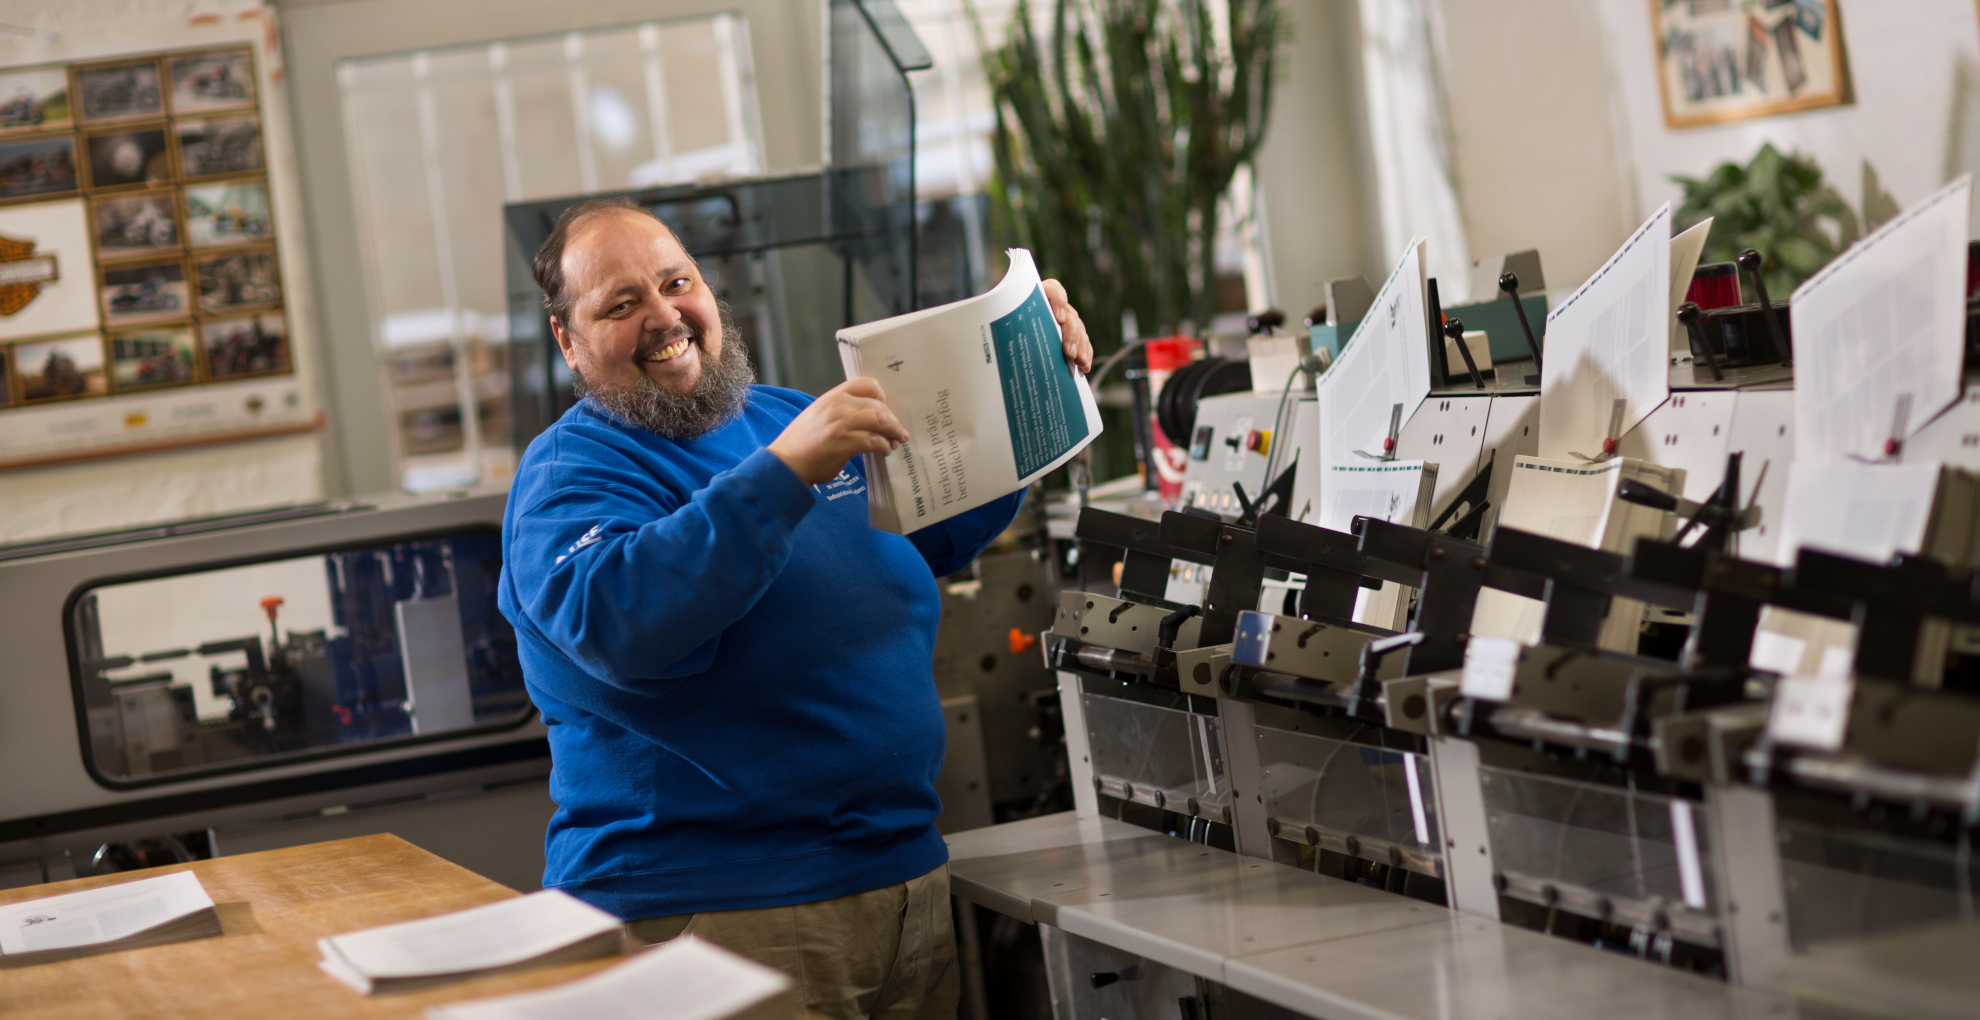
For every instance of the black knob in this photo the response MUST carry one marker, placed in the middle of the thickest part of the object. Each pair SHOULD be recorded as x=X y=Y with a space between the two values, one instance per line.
x=1749 y=260
x=1454 y=328
x=1509 y=283
x=1687 y=315
x=1267 y=321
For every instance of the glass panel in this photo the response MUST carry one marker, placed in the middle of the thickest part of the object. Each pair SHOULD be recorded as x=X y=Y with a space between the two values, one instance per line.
x=1152 y=749
x=1343 y=789
x=1595 y=844
x=1843 y=884
x=260 y=663
x=440 y=140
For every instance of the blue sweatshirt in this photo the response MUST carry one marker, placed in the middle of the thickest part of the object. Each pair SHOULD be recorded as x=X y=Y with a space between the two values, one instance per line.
x=736 y=669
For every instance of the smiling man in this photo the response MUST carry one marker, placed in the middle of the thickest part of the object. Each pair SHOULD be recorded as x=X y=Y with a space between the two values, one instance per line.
x=736 y=669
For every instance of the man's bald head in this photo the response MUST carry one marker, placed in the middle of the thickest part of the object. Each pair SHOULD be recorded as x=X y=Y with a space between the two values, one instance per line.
x=548 y=266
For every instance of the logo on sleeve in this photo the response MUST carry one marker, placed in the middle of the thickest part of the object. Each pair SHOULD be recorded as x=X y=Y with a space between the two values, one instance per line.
x=592 y=537
x=846 y=484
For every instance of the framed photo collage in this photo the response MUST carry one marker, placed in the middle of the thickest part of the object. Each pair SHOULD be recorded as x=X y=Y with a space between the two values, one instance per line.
x=137 y=245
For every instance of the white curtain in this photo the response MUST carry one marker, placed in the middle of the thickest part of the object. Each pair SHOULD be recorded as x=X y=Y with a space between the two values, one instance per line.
x=1409 y=126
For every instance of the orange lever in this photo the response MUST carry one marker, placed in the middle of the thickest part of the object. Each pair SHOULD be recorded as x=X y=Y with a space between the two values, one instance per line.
x=1020 y=640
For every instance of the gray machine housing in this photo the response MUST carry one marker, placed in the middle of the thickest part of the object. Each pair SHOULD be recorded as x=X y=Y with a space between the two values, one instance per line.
x=54 y=813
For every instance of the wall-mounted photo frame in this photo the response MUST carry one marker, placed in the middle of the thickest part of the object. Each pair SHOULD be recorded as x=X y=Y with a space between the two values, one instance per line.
x=65 y=368
x=133 y=157
x=216 y=146
x=35 y=99
x=215 y=80
x=135 y=292
x=121 y=91
x=38 y=167
x=143 y=223
x=1728 y=60
x=141 y=359
x=236 y=280
x=232 y=213
x=252 y=345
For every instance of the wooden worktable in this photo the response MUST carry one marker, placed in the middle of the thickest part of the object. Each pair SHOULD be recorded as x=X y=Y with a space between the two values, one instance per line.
x=274 y=906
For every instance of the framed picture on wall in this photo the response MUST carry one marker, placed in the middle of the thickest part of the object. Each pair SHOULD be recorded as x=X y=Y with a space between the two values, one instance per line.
x=35 y=99
x=61 y=369
x=159 y=356
x=33 y=167
x=1726 y=60
x=253 y=345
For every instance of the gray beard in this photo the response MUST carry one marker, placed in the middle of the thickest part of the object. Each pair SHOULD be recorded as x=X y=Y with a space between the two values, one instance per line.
x=718 y=397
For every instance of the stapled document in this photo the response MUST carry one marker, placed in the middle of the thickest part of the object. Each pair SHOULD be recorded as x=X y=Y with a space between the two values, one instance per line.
x=696 y=980
x=128 y=915
x=545 y=927
x=983 y=387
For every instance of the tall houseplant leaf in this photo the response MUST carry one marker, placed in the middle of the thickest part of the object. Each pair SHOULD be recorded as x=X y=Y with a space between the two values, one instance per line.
x=1117 y=133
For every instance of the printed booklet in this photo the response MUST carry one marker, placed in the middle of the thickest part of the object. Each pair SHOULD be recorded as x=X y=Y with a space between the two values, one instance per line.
x=983 y=386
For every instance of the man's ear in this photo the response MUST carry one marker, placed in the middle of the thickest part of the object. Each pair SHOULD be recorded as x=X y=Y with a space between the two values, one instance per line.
x=564 y=341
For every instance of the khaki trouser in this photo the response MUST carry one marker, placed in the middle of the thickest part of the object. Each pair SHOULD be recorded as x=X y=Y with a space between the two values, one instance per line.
x=889 y=954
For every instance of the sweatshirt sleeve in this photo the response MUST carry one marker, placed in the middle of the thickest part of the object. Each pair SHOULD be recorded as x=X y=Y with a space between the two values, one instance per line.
x=953 y=544
x=638 y=594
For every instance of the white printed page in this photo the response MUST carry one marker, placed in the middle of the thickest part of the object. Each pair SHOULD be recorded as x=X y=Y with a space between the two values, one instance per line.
x=1609 y=341
x=1885 y=320
x=101 y=915
x=984 y=388
x=1865 y=511
x=1385 y=363
x=1391 y=491
x=496 y=935
x=1568 y=500
x=694 y=979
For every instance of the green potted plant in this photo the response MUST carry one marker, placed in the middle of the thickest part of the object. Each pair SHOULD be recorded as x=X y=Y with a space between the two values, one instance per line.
x=1775 y=204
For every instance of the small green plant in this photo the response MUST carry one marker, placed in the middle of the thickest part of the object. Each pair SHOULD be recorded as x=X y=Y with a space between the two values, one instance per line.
x=1777 y=205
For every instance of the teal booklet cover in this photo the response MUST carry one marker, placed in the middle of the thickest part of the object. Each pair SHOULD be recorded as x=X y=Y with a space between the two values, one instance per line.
x=985 y=391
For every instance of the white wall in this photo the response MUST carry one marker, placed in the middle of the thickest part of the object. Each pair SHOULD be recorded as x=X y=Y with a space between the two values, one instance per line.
x=1916 y=116
x=1313 y=171
x=1534 y=136
x=1559 y=134
x=132 y=490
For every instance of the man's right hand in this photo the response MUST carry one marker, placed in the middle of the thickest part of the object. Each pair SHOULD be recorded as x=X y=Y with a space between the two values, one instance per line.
x=850 y=419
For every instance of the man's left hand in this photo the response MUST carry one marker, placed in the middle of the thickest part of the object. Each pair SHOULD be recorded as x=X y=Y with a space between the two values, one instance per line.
x=1079 y=351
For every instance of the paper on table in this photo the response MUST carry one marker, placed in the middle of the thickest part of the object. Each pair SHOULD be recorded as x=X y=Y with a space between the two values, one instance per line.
x=1386 y=363
x=482 y=938
x=1609 y=341
x=1884 y=321
x=1867 y=511
x=1686 y=249
x=103 y=914
x=695 y=979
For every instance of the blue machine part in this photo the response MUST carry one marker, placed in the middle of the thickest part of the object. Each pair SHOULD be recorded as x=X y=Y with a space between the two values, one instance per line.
x=1254 y=630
